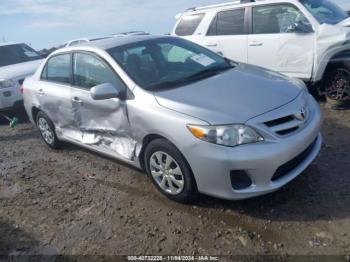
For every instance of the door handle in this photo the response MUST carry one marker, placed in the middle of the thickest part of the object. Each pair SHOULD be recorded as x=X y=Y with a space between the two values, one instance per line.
x=211 y=44
x=77 y=100
x=41 y=92
x=256 y=44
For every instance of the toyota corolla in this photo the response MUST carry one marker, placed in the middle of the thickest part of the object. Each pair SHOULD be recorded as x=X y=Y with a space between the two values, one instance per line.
x=193 y=120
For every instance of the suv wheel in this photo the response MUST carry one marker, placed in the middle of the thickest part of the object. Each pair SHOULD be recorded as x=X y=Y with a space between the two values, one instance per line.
x=47 y=130
x=337 y=87
x=169 y=171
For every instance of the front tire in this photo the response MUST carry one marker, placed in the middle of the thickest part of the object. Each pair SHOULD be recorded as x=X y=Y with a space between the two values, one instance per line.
x=169 y=171
x=47 y=130
x=337 y=87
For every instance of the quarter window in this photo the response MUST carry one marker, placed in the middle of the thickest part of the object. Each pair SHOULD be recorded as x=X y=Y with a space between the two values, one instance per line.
x=276 y=19
x=188 y=24
x=90 y=71
x=58 y=69
x=229 y=22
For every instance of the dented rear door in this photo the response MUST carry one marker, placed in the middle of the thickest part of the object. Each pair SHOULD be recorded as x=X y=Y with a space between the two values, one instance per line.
x=54 y=91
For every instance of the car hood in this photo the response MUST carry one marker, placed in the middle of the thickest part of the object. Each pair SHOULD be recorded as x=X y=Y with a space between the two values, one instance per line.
x=234 y=96
x=19 y=70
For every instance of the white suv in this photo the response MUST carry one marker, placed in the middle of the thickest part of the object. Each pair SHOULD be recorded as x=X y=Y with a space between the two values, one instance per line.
x=305 y=39
x=17 y=61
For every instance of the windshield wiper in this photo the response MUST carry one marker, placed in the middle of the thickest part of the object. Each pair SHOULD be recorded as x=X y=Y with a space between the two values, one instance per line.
x=192 y=78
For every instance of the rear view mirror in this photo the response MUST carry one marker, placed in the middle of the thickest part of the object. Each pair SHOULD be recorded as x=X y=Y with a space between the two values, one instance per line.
x=105 y=91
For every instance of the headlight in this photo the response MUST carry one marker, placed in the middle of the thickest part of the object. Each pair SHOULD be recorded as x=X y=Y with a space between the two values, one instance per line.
x=228 y=135
x=6 y=83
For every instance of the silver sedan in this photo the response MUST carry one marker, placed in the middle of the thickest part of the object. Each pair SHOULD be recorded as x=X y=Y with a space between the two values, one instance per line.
x=195 y=121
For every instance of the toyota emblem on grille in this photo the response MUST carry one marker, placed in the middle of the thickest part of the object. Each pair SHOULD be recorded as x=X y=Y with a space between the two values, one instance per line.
x=301 y=116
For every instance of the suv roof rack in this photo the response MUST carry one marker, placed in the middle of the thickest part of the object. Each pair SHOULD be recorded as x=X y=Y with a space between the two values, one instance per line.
x=236 y=2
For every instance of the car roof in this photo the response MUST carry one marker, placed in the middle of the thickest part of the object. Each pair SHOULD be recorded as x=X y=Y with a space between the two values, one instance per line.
x=236 y=3
x=9 y=43
x=119 y=41
x=130 y=33
x=109 y=43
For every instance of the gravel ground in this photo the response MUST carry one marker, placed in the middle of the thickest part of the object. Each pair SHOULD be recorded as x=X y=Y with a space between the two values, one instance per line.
x=74 y=202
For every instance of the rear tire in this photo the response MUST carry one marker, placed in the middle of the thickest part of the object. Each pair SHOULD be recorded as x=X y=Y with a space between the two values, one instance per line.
x=337 y=87
x=169 y=171
x=47 y=130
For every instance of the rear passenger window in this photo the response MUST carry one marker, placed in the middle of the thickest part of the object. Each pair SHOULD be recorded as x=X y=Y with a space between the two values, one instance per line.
x=229 y=22
x=90 y=71
x=276 y=19
x=188 y=24
x=58 y=69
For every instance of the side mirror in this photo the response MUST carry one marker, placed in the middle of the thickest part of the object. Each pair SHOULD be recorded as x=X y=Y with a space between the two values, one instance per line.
x=301 y=28
x=105 y=91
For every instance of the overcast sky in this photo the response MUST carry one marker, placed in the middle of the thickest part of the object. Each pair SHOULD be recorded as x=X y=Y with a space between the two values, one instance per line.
x=46 y=23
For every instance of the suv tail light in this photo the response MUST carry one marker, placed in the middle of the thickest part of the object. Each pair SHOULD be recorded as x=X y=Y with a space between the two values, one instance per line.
x=21 y=89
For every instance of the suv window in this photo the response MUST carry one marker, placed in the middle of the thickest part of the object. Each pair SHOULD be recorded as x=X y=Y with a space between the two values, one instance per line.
x=229 y=22
x=276 y=19
x=58 y=69
x=90 y=71
x=188 y=24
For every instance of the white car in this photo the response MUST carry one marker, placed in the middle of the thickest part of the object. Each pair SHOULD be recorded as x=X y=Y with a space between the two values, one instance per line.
x=305 y=39
x=131 y=33
x=17 y=61
x=82 y=41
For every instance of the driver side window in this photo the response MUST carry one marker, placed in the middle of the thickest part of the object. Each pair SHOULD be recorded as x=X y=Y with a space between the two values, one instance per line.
x=276 y=19
x=90 y=71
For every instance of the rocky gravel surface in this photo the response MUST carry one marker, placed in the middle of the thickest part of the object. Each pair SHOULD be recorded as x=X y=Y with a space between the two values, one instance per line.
x=75 y=202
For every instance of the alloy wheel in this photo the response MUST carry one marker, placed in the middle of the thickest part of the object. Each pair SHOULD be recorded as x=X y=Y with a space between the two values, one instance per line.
x=46 y=131
x=167 y=173
x=338 y=86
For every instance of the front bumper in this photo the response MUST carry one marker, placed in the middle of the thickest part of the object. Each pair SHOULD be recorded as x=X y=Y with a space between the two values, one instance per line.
x=212 y=164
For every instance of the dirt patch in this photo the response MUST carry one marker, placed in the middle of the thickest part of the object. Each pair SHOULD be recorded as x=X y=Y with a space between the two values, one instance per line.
x=74 y=202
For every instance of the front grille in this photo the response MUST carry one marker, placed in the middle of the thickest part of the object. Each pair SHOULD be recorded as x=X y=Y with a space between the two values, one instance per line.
x=292 y=164
x=284 y=125
x=279 y=121
x=287 y=131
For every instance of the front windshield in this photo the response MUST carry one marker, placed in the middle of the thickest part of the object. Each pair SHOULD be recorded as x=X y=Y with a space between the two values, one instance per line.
x=325 y=11
x=15 y=54
x=167 y=62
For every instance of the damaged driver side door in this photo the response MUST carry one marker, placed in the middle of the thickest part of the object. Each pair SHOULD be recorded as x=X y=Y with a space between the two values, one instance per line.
x=101 y=124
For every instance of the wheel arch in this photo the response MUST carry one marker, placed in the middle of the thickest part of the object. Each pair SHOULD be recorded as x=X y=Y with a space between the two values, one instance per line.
x=340 y=58
x=151 y=137
x=35 y=111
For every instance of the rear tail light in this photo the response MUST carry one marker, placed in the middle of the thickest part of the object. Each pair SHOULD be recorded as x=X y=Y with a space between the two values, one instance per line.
x=21 y=89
